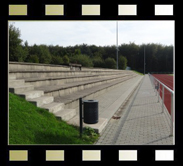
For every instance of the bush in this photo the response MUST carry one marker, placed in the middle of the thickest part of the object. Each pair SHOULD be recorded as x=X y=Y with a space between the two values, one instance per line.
x=90 y=132
x=122 y=62
x=98 y=62
x=110 y=63
x=34 y=59
x=65 y=59
x=82 y=59
x=57 y=60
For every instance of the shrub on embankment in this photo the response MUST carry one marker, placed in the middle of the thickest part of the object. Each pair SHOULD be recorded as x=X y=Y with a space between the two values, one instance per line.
x=29 y=124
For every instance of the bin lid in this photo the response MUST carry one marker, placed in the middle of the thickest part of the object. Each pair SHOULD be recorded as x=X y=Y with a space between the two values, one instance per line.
x=90 y=101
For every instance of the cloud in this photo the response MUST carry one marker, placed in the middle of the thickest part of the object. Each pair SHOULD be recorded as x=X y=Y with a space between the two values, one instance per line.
x=147 y=32
x=65 y=33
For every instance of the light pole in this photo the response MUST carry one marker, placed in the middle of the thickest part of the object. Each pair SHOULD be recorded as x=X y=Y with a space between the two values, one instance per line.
x=117 y=44
x=144 y=60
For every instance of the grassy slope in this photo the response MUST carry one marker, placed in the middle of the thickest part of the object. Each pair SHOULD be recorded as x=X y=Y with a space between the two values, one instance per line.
x=31 y=125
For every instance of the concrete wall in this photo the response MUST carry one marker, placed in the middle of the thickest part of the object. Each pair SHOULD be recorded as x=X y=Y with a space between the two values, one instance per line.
x=35 y=66
x=13 y=66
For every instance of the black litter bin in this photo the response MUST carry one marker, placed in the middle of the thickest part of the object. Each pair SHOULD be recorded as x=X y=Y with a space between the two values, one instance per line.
x=90 y=111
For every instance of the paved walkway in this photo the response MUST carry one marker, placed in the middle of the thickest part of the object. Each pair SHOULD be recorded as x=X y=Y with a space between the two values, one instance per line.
x=140 y=121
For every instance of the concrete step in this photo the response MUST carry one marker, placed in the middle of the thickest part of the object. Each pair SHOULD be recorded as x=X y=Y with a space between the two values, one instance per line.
x=11 y=76
x=21 y=88
x=48 y=67
x=13 y=82
x=35 y=66
x=98 y=127
x=31 y=94
x=65 y=114
x=60 y=80
x=61 y=90
x=21 y=74
x=53 y=107
x=41 y=100
x=72 y=100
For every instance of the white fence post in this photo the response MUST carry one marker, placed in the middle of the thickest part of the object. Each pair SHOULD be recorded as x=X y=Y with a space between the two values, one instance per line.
x=158 y=91
x=163 y=98
x=172 y=116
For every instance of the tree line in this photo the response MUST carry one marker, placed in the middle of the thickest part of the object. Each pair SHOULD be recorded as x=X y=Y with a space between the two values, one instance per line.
x=158 y=58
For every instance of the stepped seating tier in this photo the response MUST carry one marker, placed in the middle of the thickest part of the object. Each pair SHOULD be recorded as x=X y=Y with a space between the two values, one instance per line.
x=69 y=88
x=72 y=100
x=56 y=73
x=57 y=89
x=60 y=80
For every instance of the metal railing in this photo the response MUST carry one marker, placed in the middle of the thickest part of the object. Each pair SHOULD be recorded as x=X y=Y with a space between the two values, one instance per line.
x=156 y=84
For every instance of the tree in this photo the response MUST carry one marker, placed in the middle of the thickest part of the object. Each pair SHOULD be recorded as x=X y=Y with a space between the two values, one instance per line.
x=82 y=59
x=56 y=50
x=110 y=63
x=85 y=49
x=77 y=51
x=65 y=59
x=42 y=52
x=130 y=51
x=44 y=56
x=16 y=51
x=57 y=60
x=33 y=59
x=27 y=51
x=98 y=62
x=122 y=62
x=109 y=52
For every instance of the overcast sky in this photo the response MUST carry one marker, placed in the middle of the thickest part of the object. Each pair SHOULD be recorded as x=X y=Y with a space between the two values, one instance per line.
x=99 y=33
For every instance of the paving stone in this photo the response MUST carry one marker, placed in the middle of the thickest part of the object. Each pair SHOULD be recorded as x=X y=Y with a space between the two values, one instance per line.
x=144 y=124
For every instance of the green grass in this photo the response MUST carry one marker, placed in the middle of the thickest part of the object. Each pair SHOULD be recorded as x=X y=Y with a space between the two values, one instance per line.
x=29 y=124
x=138 y=72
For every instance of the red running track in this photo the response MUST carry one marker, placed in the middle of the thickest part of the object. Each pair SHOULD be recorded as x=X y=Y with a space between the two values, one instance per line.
x=168 y=81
